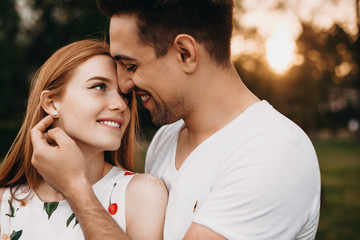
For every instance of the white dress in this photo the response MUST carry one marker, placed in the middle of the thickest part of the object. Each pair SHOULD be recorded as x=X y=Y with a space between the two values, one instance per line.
x=34 y=219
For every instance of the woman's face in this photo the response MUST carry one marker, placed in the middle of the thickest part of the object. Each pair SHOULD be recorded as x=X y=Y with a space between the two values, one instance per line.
x=91 y=110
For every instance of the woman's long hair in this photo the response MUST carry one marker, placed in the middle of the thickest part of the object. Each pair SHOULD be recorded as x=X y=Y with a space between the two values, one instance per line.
x=53 y=75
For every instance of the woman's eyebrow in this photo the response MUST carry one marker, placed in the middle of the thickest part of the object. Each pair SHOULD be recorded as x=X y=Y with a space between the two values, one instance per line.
x=105 y=79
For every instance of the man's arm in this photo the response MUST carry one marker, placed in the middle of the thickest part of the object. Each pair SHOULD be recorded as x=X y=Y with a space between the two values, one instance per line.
x=62 y=165
x=95 y=221
x=198 y=231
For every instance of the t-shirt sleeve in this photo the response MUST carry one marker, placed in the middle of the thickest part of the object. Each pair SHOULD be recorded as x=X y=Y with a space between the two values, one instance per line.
x=269 y=191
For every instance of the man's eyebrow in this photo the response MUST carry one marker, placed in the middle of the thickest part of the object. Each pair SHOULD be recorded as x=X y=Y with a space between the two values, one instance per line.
x=123 y=57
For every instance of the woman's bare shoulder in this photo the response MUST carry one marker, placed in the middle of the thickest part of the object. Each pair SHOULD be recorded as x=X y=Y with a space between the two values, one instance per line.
x=145 y=183
x=146 y=201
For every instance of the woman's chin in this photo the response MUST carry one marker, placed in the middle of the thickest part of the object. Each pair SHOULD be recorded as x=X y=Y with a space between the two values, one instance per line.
x=113 y=147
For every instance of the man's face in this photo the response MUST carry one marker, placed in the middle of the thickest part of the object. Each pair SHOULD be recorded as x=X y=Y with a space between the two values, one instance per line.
x=158 y=81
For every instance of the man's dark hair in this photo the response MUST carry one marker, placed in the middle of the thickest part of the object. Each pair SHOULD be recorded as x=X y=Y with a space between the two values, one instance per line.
x=160 y=21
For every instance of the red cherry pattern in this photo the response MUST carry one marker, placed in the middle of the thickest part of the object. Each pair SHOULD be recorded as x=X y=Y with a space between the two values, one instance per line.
x=129 y=173
x=113 y=208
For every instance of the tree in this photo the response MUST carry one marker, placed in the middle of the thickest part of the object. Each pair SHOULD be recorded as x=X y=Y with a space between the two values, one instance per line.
x=27 y=43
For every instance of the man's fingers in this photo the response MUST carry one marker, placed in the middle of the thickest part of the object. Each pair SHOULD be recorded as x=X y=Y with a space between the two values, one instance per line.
x=49 y=140
x=44 y=123
x=37 y=137
x=58 y=136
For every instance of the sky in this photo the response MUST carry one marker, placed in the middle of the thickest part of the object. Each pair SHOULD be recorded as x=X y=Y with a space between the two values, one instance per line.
x=278 y=22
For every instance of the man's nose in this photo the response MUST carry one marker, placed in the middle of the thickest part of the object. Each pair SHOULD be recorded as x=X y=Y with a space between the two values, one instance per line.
x=125 y=80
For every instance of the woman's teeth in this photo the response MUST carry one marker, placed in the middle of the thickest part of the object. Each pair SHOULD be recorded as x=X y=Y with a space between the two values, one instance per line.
x=110 y=123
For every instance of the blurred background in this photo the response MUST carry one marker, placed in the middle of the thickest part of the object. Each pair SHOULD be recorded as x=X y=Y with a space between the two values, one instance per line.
x=302 y=56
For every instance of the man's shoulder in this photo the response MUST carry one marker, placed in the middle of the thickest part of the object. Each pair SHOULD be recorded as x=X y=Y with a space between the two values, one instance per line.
x=166 y=133
x=161 y=146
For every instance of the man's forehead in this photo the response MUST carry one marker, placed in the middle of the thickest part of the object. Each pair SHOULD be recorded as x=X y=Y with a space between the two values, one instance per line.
x=123 y=34
x=123 y=22
x=122 y=50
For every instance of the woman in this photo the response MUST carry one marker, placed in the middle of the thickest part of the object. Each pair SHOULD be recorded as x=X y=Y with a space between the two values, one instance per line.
x=77 y=85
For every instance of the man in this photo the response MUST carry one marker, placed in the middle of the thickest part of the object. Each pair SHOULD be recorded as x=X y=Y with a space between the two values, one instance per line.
x=235 y=168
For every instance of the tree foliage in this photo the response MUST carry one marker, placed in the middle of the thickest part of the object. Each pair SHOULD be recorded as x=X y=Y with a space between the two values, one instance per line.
x=316 y=93
x=26 y=42
x=320 y=92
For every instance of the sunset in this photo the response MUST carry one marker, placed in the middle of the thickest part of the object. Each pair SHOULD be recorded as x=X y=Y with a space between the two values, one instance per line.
x=278 y=25
x=280 y=50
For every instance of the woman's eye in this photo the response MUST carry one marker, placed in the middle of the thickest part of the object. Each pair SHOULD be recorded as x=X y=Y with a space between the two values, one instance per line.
x=99 y=86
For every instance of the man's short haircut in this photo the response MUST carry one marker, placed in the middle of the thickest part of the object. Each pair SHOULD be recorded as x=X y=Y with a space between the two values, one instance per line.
x=208 y=21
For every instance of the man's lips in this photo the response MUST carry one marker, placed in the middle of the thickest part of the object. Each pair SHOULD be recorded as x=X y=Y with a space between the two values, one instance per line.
x=145 y=98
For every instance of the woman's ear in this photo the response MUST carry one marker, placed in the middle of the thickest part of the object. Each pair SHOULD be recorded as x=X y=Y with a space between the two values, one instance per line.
x=48 y=104
x=187 y=49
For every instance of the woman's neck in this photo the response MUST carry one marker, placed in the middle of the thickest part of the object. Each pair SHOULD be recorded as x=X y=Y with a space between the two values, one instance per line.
x=97 y=168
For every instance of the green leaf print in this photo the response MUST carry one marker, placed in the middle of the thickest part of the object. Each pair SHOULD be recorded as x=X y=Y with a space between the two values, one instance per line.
x=70 y=219
x=50 y=207
x=15 y=235
x=12 y=210
x=76 y=222
x=72 y=216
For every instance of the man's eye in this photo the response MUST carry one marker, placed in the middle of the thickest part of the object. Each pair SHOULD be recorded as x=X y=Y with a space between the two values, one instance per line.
x=131 y=68
x=99 y=86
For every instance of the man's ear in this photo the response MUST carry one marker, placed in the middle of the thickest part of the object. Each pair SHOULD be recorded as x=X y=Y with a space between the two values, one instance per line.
x=48 y=104
x=187 y=49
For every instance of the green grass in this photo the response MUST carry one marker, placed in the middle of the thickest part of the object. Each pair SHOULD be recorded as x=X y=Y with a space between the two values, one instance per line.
x=340 y=173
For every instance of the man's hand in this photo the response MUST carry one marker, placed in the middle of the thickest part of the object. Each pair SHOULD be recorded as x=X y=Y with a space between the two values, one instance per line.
x=57 y=158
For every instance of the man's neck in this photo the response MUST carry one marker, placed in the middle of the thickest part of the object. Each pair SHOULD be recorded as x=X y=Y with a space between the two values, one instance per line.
x=221 y=98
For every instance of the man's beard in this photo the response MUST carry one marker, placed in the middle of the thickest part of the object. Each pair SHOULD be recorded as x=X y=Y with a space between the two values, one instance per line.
x=169 y=112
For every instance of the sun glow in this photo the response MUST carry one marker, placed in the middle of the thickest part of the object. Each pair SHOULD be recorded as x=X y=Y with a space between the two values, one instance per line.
x=280 y=50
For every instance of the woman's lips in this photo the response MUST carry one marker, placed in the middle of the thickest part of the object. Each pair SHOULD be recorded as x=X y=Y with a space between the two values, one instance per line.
x=113 y=123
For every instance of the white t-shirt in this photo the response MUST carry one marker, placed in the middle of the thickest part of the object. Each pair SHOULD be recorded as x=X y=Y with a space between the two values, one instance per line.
x=256 y=178
x=35 y=219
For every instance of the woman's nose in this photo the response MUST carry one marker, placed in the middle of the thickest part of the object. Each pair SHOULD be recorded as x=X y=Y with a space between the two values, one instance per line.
x=117 y=102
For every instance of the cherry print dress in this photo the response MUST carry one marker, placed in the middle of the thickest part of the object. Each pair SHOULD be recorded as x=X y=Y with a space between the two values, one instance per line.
x=34 y=219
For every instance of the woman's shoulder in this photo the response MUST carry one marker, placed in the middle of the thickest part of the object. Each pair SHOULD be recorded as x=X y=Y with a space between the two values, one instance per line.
x=146 y=201
x=2 y=190
x=145 y=189
x=143 y=183
x=139 y=185
x=20 y=192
